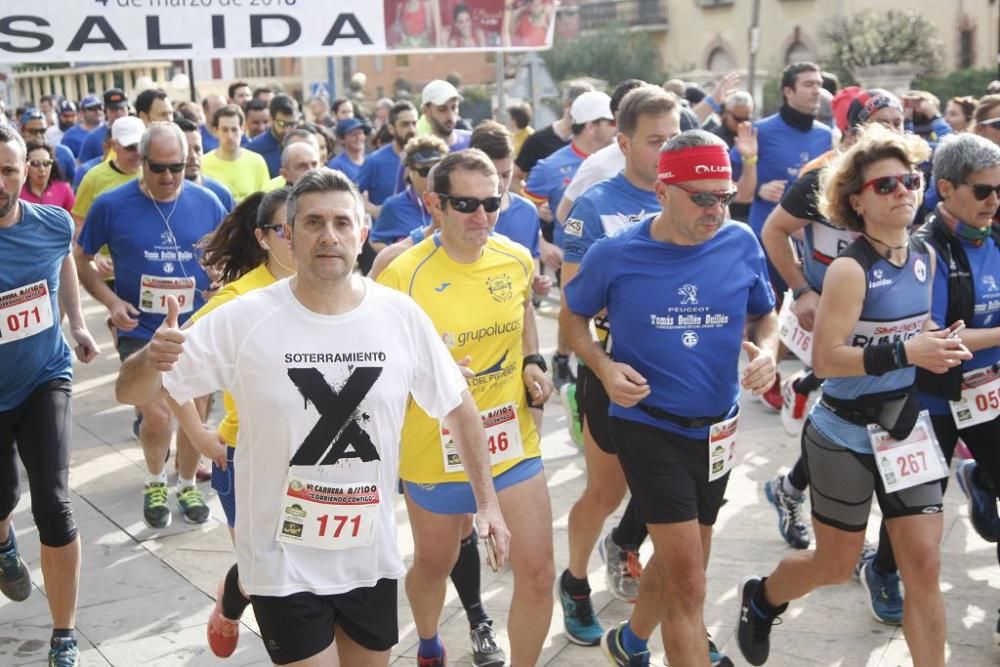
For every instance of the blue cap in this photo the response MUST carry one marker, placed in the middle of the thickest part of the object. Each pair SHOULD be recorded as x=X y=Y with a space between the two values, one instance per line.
x=66 y=107
x=91 y=101
x=31 y=113
x=349 y=124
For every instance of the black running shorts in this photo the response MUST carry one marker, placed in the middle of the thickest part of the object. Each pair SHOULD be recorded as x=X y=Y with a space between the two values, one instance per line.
x=667 y=474
x=592 y=401
x=299 y=626
x=841 y=483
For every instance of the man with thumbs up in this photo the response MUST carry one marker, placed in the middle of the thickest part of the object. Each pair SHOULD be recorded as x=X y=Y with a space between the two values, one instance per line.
x=680 y=288
x=152 y=226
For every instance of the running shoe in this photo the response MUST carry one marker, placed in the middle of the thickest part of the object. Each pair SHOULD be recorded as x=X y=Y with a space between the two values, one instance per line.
x=567 y=393
x=136 y=423
x=611 y=646
x=561 y=372
x=753 y=632
x=982 y=503
x=884 y=598
x=791 y=522
x=962 y=451
x=192 y=505
x=485 y=652
x=582 y=626
x=223 y=633
x=155 y=511
x=67 y=654
x=717 y=658
x=15 y=577
x=793 y=406
x=436 y=661
x=996 y=633
x=772 y=397
x=622 y=569
x=868 y=551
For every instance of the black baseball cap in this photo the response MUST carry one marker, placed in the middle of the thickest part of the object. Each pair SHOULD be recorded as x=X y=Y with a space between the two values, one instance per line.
x=115 y=98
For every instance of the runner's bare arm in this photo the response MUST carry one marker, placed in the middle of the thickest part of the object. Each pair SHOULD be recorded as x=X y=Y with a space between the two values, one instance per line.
x=537 y=381
x=761 y=347
x=466 y=427
x=205 y=440
x=69 y=302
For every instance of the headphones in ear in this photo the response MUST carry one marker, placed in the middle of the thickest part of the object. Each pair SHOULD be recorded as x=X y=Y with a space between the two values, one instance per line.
x=265 y=246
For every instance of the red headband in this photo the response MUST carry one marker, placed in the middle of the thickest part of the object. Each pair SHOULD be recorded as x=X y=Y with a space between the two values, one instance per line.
x=695 y=163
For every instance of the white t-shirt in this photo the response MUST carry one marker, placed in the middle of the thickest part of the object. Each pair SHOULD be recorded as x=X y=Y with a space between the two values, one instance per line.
x=280 y=360
x=603 y=164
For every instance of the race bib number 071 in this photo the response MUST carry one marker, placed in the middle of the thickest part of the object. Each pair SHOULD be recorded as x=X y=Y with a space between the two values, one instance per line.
x=25 y=311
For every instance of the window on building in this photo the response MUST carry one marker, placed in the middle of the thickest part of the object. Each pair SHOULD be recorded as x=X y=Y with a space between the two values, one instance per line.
x=966 y=47
x=720 y=62
x=403 y=60
x=797 y=52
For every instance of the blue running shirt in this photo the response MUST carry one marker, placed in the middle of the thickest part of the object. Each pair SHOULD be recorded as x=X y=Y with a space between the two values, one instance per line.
x=675 y=321
x=520 y=223
x=602 y=210
x=381 y=176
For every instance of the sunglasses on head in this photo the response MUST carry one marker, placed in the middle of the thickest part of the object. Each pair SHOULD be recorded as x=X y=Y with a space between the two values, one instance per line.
x=886 y=185
x=277 y=229
x=159 y=167
x=982 y=191
x=991 y=122
x=708 y=199
x=38 y=164
x=471 y=204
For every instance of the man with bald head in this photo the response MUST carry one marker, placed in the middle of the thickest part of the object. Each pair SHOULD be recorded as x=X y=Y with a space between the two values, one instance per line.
x=210 y=104
x=296 y=161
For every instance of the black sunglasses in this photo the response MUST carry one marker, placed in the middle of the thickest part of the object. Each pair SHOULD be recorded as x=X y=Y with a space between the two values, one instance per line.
x=982 y=192
x=471 y=204
x=159 y=167
x=708 y=199
x=423 y=171
x=886 y=185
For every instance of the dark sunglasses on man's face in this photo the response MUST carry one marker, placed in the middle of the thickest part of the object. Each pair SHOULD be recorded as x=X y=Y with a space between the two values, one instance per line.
x=471 y=204
x=982 y=191
x=706 y=199
x=159 y=167
x=886 y=185
x=422 y=171
x=36 y=130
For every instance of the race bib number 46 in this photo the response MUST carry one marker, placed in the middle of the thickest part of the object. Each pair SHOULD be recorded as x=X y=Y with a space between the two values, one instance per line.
x=328 y=516
x=25 y=311
x=503 y=438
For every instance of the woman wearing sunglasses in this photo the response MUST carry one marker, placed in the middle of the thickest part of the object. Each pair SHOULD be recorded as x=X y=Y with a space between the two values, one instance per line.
x=248 y=251
x=967 y=169
x=872 y=328
x=44 y=184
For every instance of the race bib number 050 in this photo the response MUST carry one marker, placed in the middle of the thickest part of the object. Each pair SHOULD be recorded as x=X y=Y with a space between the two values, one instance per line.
x=328 y=516
x=980 y=402
x=25 y=311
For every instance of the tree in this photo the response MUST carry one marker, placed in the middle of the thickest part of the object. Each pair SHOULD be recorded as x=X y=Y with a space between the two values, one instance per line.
x=613 y=54
x=958 y=83
x=881 y=38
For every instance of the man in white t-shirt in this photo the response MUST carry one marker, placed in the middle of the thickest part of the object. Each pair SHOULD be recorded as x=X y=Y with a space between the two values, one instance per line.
x=321 y=366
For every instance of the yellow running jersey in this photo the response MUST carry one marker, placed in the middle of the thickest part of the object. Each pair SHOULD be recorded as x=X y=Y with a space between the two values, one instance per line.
x=254 y=279
x=478 y=310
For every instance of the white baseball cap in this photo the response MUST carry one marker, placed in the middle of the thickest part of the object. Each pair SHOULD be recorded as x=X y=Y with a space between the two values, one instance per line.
x=591 y=106
x=439 y=92
x=127 y=130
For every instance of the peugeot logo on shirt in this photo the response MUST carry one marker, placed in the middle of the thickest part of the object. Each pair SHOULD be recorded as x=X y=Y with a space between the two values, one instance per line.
x=690 y=294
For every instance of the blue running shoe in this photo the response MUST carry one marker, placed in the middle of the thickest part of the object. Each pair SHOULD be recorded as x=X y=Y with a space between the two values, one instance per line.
x=582 y=626
x=611 y=646
x=65 y=655
x=884 y=597
x=717 y=658
x=15 y=577
x=792 y=524
x=982 y=504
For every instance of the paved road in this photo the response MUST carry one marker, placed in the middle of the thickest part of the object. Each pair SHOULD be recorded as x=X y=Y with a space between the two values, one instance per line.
x=145 y=595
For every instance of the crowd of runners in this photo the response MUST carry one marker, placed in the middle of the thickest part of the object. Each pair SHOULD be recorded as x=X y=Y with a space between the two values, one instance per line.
x=361 y=288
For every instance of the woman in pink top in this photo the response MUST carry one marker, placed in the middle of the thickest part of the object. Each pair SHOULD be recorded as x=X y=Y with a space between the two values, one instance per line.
x=44 y=184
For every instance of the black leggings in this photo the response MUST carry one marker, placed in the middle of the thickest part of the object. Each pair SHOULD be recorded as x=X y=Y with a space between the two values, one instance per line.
x=41 y=427
x=982 y=440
